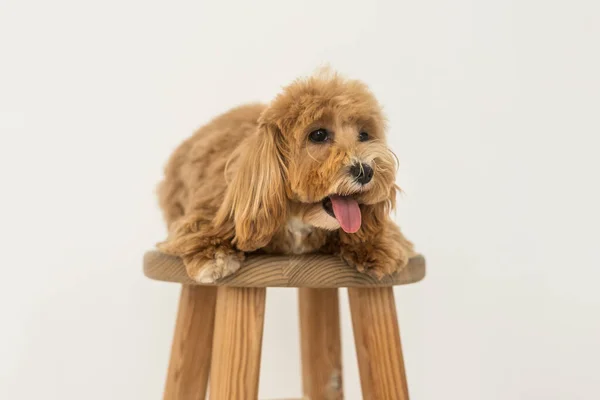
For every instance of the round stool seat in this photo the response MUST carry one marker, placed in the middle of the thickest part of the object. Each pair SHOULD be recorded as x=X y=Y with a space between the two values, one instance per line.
x=308 y=270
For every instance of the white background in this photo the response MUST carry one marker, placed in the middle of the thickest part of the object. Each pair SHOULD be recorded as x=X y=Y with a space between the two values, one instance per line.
x=494 y=114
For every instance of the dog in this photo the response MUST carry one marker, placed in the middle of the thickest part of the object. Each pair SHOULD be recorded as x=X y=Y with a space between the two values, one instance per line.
x=309 y=172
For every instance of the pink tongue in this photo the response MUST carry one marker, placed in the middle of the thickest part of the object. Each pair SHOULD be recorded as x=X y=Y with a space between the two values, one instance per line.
x=347 y=213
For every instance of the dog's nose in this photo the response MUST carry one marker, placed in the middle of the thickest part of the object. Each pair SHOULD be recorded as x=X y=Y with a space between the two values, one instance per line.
x=362 y=173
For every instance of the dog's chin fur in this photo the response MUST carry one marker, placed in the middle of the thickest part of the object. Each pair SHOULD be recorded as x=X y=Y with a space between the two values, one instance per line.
x=316 y=217
x=252 y=180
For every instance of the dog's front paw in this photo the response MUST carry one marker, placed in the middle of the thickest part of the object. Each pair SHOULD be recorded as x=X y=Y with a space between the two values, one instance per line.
x=207 y=269
x=377 y=262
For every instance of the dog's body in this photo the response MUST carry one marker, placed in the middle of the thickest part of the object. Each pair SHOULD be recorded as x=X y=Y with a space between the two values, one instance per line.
x=310 y=172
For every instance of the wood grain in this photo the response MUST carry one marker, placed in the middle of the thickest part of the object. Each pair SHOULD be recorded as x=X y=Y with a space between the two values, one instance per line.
x=309 y=270
x=320 y=344
x=378 y=347
x=237 y=343
x=192 y=343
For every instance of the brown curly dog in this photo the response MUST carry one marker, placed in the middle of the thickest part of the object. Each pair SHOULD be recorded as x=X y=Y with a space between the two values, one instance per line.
x=310 y=172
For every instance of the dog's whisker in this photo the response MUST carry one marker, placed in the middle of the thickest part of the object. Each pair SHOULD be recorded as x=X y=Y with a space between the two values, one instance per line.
x=397 y=163
x=308 y=152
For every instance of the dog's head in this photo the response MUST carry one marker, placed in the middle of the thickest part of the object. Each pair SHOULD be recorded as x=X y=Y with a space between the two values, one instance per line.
x=320 y=152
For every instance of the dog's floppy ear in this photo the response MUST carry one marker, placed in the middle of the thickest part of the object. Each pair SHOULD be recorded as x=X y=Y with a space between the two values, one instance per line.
x=256 y=200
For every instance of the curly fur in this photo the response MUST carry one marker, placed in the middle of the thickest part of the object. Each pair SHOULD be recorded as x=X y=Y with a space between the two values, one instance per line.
x=251 y=180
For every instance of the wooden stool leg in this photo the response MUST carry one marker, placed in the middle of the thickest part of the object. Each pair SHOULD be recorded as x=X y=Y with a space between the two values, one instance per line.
x=320 y=344
x=237 y=343
x=378 y=347
x=192 y=343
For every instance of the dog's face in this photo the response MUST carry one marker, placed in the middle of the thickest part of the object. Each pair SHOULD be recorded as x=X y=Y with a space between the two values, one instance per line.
x=321 y=153
x=334 y=149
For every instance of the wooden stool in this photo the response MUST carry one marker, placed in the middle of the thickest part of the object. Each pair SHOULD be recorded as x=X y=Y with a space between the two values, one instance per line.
x=227 y=321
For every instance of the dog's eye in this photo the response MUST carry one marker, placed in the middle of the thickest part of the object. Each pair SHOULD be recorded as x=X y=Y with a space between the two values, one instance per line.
x=363 y=137
x=319 y=136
